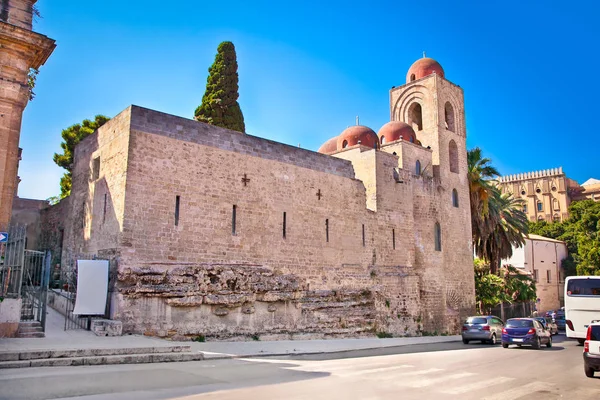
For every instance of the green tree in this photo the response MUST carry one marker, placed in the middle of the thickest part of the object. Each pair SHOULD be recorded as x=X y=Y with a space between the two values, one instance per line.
x=489 y=288
x=497 y=220
x=518 y=287
x=219 y=104
x=71 y=137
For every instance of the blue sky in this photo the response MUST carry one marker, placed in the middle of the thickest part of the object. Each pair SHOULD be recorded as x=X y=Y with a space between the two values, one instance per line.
x=528 y=70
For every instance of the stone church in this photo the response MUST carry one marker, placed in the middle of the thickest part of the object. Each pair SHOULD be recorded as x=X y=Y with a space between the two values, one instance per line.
x=218 y=233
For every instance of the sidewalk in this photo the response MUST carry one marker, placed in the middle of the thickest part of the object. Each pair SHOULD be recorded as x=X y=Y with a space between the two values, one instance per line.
x=59 y=339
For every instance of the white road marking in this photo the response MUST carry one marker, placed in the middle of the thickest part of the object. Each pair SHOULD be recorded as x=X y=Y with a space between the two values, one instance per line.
x=520 y=391
x=478 y=385
x=371 y=371
x=423 y=382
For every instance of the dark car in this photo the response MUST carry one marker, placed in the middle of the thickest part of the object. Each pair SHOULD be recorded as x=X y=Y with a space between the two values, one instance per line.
x=548 y=324
x=560 y=321
x=525 y=331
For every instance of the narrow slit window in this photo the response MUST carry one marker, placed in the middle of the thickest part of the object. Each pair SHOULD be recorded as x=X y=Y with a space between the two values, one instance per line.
x=284 y=222
x=393 y=239
x=104 y=209
x=363 y=234
x=438 y=237
x=177 y=198
x=233 y=219
x=96 y=169
x=327 y=230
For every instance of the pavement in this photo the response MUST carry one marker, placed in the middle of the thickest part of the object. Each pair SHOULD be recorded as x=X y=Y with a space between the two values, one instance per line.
x=59 y=339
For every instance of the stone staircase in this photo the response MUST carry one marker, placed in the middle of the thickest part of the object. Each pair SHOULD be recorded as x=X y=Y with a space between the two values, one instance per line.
x=30 y=330
x=77 y=357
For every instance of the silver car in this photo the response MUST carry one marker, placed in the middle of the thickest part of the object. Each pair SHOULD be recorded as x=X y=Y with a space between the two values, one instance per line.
x=486 y=328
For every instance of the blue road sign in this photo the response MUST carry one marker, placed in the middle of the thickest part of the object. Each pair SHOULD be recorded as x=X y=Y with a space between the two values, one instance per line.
x=3 y=237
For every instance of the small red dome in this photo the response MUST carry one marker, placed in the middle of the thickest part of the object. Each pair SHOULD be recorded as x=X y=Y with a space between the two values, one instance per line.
x=357 y=133
x=329 y=146
x=395 y=130
x=422 y=68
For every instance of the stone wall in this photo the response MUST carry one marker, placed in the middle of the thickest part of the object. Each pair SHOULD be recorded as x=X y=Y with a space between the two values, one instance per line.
x=53 y=222
x=10 y=315
x=28 y=212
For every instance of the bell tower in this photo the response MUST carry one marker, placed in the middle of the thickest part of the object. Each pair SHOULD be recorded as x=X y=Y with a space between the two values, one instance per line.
x=434 y=108
x=21 y=50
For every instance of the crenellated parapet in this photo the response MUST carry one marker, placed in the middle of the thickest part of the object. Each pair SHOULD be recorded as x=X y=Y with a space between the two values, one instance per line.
x=532 y=175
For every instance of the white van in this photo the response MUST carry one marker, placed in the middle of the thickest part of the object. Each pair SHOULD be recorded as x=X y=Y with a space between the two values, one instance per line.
x=582 y=305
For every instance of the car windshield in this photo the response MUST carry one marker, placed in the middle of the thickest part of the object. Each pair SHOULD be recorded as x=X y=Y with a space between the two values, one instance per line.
x=519 y=323
x=476 y=320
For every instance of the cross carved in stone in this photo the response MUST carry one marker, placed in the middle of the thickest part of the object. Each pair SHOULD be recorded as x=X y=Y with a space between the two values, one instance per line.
x=245 y=180
x=319 y=194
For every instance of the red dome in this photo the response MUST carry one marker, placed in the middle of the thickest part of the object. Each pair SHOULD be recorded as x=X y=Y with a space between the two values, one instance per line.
x=352 y=135
x=329 y=146
x=395 y=130
x=423 y=67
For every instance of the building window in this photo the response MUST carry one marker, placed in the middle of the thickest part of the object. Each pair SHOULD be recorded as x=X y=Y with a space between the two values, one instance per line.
x=548 y=276
x=538 y=190
x=535 y=276
x=418 y=168
x=177 y=200
x=284 y=224
x=363 y=234
x=415 y=116
x=438 y=237
x=454 y=198
x=233 y=220
x=393 y=239
x=327 y=230
x=540 y=206
x=556 y=204
x=412 y=77
x=449 y=114
x=382 y=139
x=344 y=144
x=453 y=156
x=525 y=208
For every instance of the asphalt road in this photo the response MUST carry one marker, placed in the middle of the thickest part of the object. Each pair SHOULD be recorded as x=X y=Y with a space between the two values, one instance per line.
x=448 y=371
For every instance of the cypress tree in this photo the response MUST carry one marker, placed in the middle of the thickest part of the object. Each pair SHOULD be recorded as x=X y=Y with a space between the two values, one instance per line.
x=219 y=104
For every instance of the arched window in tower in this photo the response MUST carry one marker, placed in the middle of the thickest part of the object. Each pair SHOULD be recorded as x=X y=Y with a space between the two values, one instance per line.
x=412 y=77
x=418 y=168
x=345 y=144
x=449 y=114
x=382 y=139
x=555 y=204
x=453 y=156
x=415 y=116
x=437 y=231
x=540 y=206
x=454 y=198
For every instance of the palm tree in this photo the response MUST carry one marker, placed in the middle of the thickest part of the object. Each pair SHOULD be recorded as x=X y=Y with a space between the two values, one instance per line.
x=497 y=220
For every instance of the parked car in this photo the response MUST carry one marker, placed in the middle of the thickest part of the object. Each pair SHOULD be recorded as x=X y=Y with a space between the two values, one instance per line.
x=487 y=328
x=549 y=324
x=561 y=323
x=591 y=349
x=525 y=331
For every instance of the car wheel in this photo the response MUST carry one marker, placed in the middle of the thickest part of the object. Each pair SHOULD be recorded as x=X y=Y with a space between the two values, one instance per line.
x=505 y=345
x=549 y=344
x=466 y=341
x=536 y=345
x=589 y=372
x=493 y=340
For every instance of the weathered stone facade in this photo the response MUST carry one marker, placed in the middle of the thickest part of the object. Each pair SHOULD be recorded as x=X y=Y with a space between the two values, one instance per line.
x=21 y=49
x=217 y=233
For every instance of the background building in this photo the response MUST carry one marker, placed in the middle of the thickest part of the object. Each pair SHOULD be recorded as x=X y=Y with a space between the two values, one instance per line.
x=541 y=258
x=21 y=50
x=547 y=194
